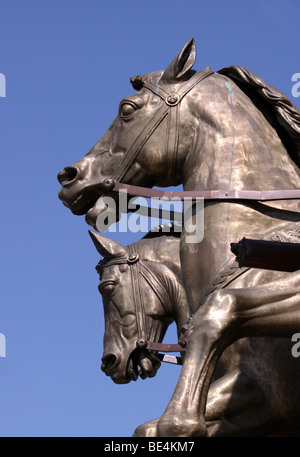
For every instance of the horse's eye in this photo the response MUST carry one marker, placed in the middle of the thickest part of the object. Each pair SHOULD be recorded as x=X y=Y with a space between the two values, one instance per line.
x=127 y=109
x=107 y=287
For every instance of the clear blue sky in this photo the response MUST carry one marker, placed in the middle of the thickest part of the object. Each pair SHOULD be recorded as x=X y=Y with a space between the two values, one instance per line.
x=67 y=64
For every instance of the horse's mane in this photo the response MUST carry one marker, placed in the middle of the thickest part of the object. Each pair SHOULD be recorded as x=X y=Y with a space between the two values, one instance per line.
x=277 y=108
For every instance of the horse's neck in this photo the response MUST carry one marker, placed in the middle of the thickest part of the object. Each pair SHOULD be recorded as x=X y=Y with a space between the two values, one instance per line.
x=239 y=150
x=235 y=147
x=161 y=255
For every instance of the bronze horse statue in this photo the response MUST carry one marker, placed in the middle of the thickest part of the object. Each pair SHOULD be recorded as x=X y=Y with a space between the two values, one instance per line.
x=240 y=400
x=231 y=138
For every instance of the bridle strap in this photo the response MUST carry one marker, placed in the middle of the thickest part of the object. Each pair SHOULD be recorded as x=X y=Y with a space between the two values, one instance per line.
x=174 y=96
x=134 y=149
x=137 y=298
x=172 y=142
x=173 y=99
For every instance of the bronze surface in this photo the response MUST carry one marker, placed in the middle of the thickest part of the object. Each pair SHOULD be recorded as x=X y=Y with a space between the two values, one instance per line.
x=226 y=131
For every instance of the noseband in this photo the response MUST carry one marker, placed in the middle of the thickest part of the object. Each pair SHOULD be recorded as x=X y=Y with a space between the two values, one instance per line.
x=138 y=269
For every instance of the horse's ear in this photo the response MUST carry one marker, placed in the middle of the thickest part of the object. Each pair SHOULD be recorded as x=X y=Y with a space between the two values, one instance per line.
x=107 y=247
x=180 y=67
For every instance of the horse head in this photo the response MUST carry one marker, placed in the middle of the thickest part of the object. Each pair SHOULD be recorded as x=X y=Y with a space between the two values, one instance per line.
x=138 y=305
x=141 y=143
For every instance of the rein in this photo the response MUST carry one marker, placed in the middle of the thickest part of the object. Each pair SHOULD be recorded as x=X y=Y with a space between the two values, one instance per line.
x=138 y=269
x=264 y=195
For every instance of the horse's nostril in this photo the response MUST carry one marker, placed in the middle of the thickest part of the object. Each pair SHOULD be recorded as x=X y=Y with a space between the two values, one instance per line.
x=67 y=175
x=108 y=362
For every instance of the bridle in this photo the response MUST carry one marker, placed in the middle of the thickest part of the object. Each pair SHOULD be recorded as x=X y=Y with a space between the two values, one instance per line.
x=138 y=269
x=170 y=108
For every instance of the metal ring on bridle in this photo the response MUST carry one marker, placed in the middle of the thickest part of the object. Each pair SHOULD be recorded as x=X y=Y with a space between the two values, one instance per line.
x=172 y=99
x=108 y=184
x=133 y=258
x=141 y=344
